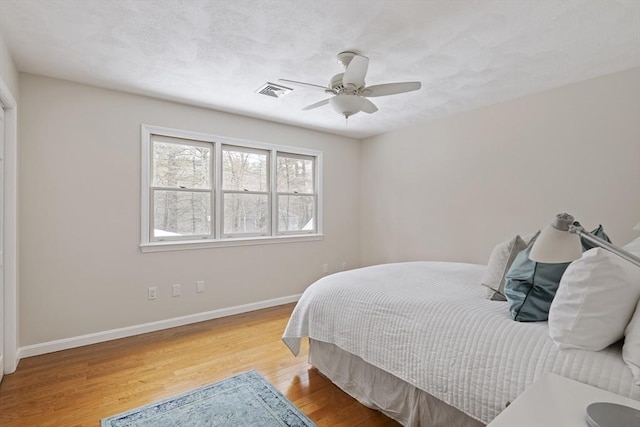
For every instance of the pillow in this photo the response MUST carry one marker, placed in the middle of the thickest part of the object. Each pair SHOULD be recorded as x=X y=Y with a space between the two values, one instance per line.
x=530 y=287
x=633 y=247
x=598 y=232
x=500 y=260
x=631 y=346
x=596 y=298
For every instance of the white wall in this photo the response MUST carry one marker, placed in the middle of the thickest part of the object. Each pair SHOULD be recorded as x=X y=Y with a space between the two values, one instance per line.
x=452 y=189
x=8 y=71
x=81 y=268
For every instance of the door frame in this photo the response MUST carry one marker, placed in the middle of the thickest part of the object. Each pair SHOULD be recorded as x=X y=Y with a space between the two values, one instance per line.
x=8 y=102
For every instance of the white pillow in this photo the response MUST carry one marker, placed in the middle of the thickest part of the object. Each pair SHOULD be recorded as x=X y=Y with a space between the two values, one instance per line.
x=501 y=258
x=633 y=246
x=596 y=298
x=631 y=347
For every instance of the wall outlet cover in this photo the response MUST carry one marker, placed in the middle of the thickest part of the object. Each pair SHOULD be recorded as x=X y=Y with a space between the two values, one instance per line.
x=175 y=290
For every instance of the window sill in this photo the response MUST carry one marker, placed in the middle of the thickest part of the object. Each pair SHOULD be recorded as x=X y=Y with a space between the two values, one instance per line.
x=173 y=245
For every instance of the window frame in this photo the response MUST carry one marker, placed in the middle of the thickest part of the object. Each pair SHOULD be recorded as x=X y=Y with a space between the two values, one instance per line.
x=217 y=238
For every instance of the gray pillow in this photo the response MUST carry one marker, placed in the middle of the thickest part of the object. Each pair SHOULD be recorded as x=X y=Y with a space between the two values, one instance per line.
x=530 y=287
x=598 y=232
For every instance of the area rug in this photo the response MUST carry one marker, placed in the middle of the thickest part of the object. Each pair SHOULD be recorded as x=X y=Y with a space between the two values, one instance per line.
x=244 y=400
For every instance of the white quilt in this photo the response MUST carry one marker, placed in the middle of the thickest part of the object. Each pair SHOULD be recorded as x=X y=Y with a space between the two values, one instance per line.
x=429 y=324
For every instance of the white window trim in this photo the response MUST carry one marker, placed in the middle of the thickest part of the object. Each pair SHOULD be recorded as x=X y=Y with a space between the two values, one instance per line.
x=148 y=245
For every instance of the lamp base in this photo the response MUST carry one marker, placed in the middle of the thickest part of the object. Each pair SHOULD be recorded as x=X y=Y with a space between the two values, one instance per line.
x=606 y=414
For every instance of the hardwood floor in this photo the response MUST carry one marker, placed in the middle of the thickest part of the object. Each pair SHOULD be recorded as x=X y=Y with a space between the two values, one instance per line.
x=78 y=387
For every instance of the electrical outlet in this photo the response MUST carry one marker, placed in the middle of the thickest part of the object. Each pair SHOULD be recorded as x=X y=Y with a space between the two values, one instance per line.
x=325 y=268
x=152 y=292
x=344 y=265
x=175 y=289
x=200 y=286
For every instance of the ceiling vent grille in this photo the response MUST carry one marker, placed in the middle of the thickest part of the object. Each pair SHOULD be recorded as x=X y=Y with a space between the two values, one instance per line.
x=273 y=90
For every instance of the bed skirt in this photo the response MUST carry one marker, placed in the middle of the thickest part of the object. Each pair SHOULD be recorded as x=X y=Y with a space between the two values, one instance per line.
x=383 y=391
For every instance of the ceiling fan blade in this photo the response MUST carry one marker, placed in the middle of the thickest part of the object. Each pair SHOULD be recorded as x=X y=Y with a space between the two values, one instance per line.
x=355 y=72
x=317 y=104
x=368 y=106
x=302 y=84
x=390 y=89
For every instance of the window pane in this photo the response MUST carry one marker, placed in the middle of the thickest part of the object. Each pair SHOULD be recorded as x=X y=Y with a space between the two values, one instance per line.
x=244 y=170
x=181 y=166
x=295 y=213
x=246 y=213
x=295 y=175
x=180 y=213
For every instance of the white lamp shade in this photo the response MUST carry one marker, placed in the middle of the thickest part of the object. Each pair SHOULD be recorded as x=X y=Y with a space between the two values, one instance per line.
x=555 y=246
x=347 y=105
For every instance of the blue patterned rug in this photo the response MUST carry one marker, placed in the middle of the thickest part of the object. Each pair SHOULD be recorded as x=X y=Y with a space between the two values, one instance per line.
x=244 y=400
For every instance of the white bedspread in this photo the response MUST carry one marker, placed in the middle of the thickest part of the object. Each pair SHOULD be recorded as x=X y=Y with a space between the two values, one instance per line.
x=429 y=324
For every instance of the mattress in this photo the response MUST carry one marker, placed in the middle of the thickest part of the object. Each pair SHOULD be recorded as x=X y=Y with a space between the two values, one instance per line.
x=429 y=324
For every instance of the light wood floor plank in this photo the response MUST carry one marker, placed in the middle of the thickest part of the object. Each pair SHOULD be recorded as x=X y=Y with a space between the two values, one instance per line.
x=78 y=387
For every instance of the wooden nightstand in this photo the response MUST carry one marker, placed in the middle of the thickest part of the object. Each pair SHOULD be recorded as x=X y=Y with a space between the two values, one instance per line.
x=555 y=401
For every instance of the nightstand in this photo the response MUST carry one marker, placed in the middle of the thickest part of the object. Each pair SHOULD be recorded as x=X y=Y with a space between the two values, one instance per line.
x=555 y=401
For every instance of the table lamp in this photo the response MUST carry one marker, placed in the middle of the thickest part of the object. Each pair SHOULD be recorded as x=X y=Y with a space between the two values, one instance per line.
x=560 y=242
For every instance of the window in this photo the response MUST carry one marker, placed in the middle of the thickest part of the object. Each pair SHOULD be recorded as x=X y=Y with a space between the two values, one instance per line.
x=245 y=192
x=203 y=190
x=181 y=188
x=296 y=193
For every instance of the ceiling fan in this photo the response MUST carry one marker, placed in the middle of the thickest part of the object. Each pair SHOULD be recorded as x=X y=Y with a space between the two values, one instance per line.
x=349 y=90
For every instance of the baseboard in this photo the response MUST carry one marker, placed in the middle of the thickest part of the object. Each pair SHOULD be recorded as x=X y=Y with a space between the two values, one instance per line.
x=73 y=342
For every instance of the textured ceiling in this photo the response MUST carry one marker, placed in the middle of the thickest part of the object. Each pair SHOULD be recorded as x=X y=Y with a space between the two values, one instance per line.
x=216 y=54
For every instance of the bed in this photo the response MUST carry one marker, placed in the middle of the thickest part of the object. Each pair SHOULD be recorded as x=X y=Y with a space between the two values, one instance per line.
x=420 y=342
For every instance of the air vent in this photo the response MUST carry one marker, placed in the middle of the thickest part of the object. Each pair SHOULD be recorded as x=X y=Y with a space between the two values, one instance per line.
x=273 y=90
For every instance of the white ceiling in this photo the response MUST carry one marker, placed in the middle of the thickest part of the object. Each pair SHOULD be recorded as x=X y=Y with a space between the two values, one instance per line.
x=215 y=54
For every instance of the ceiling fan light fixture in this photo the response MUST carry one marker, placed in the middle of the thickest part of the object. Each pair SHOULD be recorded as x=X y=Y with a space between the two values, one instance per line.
x=351 y=92
x=346 y=105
